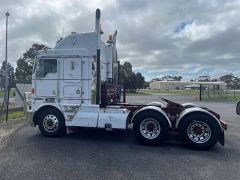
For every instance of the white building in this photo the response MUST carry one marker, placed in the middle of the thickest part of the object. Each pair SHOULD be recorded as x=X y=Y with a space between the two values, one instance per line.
x=174 y=85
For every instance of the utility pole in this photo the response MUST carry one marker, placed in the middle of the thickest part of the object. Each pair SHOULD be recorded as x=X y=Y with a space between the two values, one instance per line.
x=6 y=95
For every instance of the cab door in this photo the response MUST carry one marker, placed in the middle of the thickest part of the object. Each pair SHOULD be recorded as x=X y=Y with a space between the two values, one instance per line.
x=46 y=78
x=72 y=84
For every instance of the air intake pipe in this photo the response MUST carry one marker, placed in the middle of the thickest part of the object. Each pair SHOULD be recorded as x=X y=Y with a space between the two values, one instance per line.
x=98 y=83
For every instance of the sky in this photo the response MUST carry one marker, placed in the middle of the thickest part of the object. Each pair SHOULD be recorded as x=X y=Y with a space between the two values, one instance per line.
x=190 y=38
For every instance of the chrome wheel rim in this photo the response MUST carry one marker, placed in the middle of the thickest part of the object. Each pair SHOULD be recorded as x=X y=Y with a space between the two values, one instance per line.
x=199 y=132
x=150 y=128
x=50 y=123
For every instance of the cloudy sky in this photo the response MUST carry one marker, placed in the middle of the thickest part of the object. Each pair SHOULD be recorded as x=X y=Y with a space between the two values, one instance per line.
x=180 y=37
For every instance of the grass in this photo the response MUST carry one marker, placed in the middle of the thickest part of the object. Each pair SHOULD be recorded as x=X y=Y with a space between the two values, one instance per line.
x=221 y=98
x=14 y=115
x=137 y=93
x=183 y=92
x=10 y=93
x=221 y=95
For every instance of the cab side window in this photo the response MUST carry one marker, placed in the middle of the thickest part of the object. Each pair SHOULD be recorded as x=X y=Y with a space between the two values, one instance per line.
x=45 y=67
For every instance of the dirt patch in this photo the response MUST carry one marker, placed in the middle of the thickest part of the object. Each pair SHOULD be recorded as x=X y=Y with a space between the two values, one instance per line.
x=8 y=128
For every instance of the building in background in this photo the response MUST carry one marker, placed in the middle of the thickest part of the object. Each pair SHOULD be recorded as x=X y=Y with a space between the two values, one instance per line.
x=188 y=85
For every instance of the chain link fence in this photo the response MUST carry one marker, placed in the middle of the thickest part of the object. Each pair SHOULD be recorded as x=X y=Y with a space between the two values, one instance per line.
x=220 y=94
x=14 y=100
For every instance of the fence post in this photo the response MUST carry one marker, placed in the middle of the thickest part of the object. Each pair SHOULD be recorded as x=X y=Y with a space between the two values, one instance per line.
x=208 y=92
x=200 y=92
x=234 y=91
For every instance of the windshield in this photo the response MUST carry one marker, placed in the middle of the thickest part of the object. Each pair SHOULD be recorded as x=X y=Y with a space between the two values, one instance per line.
x=45 y=66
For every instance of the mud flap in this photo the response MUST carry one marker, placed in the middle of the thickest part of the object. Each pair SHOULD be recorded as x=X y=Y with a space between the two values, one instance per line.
x=221 y=139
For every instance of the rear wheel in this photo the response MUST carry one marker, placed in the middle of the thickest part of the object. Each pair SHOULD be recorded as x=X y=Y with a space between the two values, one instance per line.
x=150 y=128
x=52 y=123
x=200 y=131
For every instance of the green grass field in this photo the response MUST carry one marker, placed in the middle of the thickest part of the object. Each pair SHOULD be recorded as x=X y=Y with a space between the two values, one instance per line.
x=10 y=93
x=137 y=93
x=221 y=95
x=184 y=92
x=14 y=115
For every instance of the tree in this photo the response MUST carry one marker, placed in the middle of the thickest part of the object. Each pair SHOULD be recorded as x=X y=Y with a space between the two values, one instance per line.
x=146 y=85
x=155 y=79
x=214 y=80
x=11 y=76
x=169 y=78
x=229 y=79
x=129 y=79
x=177 y=78
x=25 y=64
x=126 y=77
x=140 y=80
x=166 y=78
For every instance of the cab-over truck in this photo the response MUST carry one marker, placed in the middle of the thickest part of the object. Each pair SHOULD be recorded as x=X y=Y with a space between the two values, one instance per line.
x=76 y=84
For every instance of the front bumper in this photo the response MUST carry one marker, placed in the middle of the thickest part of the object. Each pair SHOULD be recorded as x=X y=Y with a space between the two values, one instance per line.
x=29 y=115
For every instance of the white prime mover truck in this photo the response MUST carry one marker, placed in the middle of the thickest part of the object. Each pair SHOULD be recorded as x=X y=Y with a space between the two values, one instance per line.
x=76 y=84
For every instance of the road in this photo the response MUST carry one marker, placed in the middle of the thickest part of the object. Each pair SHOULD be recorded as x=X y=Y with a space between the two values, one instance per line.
x=97 y=154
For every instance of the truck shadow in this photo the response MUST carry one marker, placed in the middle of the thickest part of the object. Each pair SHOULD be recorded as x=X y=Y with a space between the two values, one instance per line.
x=123 y=137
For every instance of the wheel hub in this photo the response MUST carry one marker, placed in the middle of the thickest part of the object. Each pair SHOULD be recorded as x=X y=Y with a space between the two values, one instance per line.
x=150 y=128
x=199 y=132
x=50 y=123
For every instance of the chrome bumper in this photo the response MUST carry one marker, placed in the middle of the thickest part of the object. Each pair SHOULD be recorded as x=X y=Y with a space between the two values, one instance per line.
x=29 y=115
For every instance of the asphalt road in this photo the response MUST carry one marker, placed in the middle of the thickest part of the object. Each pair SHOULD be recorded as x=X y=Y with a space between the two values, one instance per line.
x=97 y=154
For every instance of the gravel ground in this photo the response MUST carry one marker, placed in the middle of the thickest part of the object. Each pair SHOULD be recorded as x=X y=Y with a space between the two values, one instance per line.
x=8 y=128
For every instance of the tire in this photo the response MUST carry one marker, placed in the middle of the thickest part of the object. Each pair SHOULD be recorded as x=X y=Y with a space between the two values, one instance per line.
x=52 y=123
x=238 y=108
x=200 y=131
x=150 y=120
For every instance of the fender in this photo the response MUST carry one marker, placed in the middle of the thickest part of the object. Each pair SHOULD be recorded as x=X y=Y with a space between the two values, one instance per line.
x=196 y=110
x=41 y=107
x=47 y=104
x=156 y=104
x=189 y=105
x=153 y=108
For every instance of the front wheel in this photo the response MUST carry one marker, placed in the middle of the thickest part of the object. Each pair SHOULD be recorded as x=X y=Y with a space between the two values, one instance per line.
x=200 y=131
x=52 y=123
x=150 y=128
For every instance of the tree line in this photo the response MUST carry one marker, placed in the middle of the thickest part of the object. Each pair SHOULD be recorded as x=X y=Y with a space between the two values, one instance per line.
x=131 y=80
